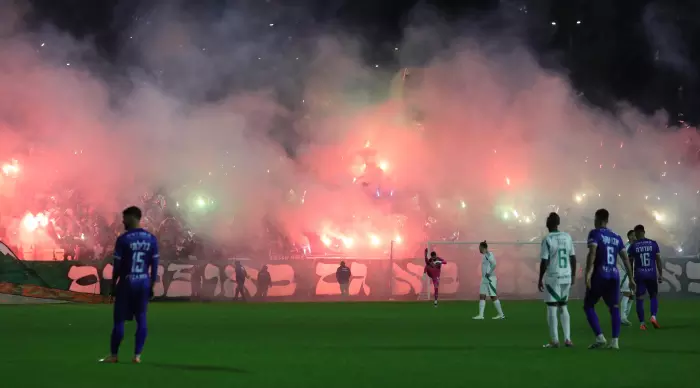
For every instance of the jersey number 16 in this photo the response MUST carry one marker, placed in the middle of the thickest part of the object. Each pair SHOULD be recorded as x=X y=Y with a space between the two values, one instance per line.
x=137 y=263
x=645 y=259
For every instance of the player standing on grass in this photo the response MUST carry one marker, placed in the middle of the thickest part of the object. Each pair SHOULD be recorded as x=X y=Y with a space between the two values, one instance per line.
x=433 y=266
x=603 y=278
x=647 y=274
x=488 y=282
x=134 y=275
x=559 y=264
x=627 y=295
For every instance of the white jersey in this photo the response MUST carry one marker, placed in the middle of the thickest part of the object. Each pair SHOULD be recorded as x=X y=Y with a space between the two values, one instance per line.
x=557 y=248
x=620 y=266
x=488 y=264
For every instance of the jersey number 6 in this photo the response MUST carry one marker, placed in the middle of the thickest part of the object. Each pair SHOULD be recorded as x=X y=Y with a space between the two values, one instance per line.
x=611 y=255
x=563 y=260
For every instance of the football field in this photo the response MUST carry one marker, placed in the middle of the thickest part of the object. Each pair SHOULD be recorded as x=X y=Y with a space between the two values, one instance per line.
x=335 y=345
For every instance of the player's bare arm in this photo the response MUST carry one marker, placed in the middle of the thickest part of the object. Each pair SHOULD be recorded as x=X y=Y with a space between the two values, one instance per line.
x=115 y=275
x=493 y=267
x=628 y=268
x=572 y=262
x=589 y=263
x=544 y=261
x=543 y=270
x=659 y=267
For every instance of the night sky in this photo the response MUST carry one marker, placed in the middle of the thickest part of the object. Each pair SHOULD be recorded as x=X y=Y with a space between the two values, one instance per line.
x=602 y=44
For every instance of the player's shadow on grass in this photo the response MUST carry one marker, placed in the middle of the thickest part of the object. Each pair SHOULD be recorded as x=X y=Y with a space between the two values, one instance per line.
x=690 y=352
x=421 y=347
x=198 y=368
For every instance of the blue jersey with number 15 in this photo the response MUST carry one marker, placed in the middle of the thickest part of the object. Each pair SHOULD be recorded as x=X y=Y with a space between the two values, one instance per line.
x=608 y=247
x=136 y=259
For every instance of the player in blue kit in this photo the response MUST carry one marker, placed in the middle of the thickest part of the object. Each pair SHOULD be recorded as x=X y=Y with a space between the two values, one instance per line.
x=134 y=275
x=603 y=278
x=647 y=274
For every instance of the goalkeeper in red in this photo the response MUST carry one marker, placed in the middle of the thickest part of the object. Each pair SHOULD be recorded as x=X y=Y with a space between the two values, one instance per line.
x=433 y=265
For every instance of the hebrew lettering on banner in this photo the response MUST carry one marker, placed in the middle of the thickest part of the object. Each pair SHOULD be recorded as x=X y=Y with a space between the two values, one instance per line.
x=84 y=279
x=159 y=287
x=283 y=282
x=328 y=285
x=692 y=271
x=408 y=281
x=306 y=279
x=671 y=275
x=212 y=275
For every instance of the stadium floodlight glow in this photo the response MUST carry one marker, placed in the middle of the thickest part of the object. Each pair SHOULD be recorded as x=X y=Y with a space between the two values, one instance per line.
x=659 y=217
x=10 y=169
x=31 y=222
x=325 y=240
x=374 y=240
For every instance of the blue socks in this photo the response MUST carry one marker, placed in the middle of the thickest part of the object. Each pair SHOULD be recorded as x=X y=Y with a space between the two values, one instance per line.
x=592 y=318
x=616 y=321
x=118 y=335
x=141 y=333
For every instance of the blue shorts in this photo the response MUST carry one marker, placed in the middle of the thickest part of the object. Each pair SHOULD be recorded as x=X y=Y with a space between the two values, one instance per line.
x=131 y=302
x=608 y=289
x=645 y=285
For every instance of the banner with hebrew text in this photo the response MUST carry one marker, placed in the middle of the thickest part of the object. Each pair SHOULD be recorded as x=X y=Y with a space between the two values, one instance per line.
x=313 y=278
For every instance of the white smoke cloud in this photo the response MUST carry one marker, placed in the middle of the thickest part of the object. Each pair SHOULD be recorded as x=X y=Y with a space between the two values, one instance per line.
x=210 y=107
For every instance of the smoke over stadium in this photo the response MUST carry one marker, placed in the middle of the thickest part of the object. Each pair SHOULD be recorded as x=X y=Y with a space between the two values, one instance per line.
x=248 y=122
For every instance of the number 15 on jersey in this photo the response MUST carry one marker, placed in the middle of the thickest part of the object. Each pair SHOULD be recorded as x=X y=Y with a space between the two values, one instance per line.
x=138 y=264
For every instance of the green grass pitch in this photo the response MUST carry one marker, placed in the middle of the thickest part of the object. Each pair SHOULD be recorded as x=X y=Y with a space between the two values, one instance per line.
x=335 y=345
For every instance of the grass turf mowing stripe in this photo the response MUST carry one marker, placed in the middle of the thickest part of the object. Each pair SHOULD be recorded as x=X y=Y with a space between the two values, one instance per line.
x=338 y=345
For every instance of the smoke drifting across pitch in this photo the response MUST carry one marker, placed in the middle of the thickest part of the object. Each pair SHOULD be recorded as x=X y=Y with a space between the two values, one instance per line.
x=216 y=108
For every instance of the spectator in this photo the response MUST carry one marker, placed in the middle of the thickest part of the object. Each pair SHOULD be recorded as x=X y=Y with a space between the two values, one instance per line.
x=343 y=276
x=241 y=276
x=264 y=282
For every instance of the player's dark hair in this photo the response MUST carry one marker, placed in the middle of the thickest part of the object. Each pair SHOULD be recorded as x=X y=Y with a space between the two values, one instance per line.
x=553 y=220
x=433 y=254
x=602 y=215
x=483 y=244
x=342 y=264
x=639 y=229
x=631 y=232
x=132 y=211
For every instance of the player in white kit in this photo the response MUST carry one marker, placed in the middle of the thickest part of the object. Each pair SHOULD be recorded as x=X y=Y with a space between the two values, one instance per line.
x=488 y=282
x=627 y=294
x=557 y=272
